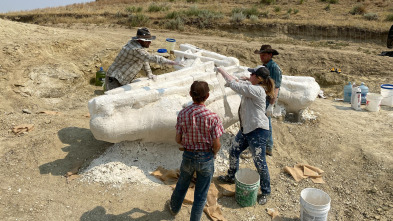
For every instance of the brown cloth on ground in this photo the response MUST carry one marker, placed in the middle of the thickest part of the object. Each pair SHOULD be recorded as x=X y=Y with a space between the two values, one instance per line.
x=212 y=209
x=274 y=214
x=23 y=128
x=302 y=171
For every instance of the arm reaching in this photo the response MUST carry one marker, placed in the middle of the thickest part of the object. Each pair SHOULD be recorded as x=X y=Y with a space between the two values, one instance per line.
x=227 y=77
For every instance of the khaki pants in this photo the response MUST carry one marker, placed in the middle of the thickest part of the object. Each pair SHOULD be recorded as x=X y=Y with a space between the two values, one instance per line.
x=111 y=83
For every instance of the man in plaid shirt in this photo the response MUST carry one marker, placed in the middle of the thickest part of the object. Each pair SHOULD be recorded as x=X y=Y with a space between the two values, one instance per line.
x=198 y=130
x=131 y=59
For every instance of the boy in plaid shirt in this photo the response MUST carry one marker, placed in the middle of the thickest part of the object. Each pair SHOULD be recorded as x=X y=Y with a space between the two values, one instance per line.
x=198 y=131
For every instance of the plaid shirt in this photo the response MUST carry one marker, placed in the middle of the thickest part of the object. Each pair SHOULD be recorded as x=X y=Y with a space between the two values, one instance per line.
x=131 y=59
x=198 y=127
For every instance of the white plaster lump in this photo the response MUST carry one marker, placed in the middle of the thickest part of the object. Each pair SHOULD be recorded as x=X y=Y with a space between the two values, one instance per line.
x=147 y=110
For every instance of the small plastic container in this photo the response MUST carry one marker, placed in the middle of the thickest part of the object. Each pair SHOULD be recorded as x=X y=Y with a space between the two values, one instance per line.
x=162 y=50
x=387 y=95
x=364 y=90
x=170 y=44
x=347 y=92
x=100 y=77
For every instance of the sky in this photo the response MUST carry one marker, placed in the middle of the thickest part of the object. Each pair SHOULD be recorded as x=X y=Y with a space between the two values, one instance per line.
x=22 y=5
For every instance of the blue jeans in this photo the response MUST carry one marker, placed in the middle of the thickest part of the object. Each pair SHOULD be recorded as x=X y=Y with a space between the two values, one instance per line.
x=269 y=144
x=256 y=140
x=203 y=164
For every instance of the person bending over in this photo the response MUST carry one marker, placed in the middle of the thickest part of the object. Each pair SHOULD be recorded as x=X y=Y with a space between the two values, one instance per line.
x=131 y=59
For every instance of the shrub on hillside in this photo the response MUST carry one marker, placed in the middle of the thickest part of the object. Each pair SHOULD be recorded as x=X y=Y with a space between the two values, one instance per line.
x=175 y=24
x=248 y=12
x=330 y=1
x=371 y=16
x=237 y=17
x=156 y=8
x=134 y=9
x=203 y=13
x=267 y=2
x=254 y=18
x=389 y=17
x=358 y=10
x=172 y=15
x=138 y=20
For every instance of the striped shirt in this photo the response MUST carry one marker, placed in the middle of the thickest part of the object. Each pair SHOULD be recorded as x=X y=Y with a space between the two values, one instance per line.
x=131 y=59
x=198 y=127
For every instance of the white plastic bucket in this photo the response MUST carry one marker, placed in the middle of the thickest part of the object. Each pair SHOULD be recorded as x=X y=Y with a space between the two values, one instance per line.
x=387 y=95
x=170 y=44
x=314 y=205
x=373 y=102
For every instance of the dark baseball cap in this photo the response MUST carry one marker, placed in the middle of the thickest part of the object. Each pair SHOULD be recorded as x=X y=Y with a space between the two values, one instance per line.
x=260 y=71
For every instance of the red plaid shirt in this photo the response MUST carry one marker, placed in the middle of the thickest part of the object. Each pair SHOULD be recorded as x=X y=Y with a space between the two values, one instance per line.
x=198 y=127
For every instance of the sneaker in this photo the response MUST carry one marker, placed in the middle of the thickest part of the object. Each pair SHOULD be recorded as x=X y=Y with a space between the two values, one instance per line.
x=226 y=179
x=269 y=153
x=168 y=205
x=262 y=200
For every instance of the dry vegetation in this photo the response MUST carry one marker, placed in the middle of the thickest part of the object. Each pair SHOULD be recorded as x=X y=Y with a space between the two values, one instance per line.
x=373 y=16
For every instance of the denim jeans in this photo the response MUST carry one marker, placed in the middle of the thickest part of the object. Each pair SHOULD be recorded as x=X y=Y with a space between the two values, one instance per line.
x=203 y=164
x=256 y=140
x=269 y=144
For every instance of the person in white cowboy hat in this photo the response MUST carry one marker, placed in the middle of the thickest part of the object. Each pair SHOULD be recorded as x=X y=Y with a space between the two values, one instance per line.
x=266 y=53
x=131 y=59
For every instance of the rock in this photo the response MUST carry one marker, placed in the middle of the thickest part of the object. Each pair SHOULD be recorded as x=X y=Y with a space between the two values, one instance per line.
x=26 y=111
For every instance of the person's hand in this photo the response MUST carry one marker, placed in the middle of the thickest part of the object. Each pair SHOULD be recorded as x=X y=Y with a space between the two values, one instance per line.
x=269 y=111
x=178 y=63
x=220 y=70
x=244 y=78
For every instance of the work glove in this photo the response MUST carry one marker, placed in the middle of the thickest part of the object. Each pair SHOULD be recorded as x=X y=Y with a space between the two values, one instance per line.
x=269 y=111
x=178 y=63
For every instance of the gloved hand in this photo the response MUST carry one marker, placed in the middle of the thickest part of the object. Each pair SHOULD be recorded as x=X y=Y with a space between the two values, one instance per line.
x=178 y=63
x=269 y=111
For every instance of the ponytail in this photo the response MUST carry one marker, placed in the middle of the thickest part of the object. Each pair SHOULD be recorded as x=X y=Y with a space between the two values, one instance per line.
x=268 y=85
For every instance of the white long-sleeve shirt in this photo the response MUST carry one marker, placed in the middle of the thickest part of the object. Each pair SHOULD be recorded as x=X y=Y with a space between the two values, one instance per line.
x=252 y=106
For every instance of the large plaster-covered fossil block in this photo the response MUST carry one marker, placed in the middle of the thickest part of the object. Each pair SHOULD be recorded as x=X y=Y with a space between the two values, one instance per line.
x=147 y=110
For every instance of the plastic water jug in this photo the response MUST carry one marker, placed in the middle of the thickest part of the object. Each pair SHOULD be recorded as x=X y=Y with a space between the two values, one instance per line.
x=100 y=77
x=347 y=92
x=364 y=90
x=356 y=98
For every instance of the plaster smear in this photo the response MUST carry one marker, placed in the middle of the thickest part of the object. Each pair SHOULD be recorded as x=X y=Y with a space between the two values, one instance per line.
x=134 y=161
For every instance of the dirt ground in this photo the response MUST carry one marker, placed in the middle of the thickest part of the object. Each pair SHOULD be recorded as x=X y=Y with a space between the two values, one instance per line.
x=51 y=69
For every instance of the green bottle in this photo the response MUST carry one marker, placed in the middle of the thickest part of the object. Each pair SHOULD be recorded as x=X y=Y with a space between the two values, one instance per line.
x=100 y=77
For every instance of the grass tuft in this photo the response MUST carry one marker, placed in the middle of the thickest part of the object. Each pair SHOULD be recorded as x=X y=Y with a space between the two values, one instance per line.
x=153 y=7
x=267 y=2
x=358 y=10
x=237 y=17
x=248 y=12
x=371 y=16
x=389 y=17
